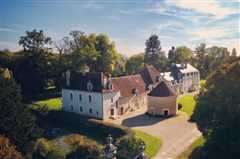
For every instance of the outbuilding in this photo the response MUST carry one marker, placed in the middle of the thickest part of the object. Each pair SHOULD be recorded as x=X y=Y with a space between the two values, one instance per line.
x=162 y=100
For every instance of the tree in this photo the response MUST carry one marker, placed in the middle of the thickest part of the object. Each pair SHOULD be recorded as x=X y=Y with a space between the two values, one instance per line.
x=17 y=122
x=153 y=54
x=207 y=60
x=128 y=147
x=120 y=66
x=234 y=52
x=95 y=51
x=86 y=151
x=107 y=54
x=45 y=149
x=32 y=64
x=8 y=150
x=35 y=42
x=183 y=55
x=6 y=59
x=218 y=112
x=172 y=54
x=153 y=50
x=135 y=64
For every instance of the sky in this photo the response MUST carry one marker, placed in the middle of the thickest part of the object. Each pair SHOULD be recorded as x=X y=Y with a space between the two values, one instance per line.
x=127 y=22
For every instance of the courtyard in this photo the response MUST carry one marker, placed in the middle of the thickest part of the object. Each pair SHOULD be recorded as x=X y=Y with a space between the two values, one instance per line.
x=177 y=133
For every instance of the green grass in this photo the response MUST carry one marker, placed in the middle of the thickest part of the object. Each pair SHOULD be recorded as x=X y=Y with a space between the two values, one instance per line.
x=189 y=152
x=52 y=104
x=153 y=143
x=188 y=102
x=202 y=83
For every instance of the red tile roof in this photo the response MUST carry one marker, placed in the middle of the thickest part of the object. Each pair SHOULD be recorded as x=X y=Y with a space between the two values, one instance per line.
x=127 y=84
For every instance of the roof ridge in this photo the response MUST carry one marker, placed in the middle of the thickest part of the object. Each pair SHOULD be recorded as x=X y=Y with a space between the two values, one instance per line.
x=126 y=76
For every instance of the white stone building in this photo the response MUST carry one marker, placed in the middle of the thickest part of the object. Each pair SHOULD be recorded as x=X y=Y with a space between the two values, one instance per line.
x=185 y=77
x=95 y=95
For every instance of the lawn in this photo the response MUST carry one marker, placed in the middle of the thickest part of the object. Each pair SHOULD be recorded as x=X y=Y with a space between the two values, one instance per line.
x=153 y=143
x=52 y=103
x=188 y=104
x=202 y=83
x=191 y=152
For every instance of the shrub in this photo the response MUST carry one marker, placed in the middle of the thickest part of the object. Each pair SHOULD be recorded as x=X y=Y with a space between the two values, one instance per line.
x=179 y=106
x=45 y=149
x=8 y=150
x=87 y=151
x=128 y=147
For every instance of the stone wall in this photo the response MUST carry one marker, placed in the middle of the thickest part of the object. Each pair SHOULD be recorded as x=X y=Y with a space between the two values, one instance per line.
x=157 y=105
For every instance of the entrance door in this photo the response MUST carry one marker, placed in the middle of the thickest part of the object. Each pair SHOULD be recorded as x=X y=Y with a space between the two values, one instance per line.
x=121 y=111
x=166 y=113
x=112 y=112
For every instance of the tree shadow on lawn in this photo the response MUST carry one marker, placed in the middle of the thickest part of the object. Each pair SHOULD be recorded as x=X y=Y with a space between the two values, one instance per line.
x=71 y=123
x=143 y=120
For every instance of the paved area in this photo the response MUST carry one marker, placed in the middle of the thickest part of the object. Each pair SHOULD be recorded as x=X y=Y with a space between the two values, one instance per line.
x=177 y=133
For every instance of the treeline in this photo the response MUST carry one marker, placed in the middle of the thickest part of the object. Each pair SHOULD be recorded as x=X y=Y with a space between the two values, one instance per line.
x=217 y=113
x=41 y=62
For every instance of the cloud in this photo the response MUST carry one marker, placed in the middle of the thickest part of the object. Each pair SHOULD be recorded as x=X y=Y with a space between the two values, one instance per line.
x=128 y=47
x=13 y=46
x=209 y=33
x=210 y=7
x=7 y=30
x=111 y=17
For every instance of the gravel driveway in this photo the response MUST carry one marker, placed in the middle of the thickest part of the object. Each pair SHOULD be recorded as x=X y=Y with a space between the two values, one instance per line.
x=177 y=133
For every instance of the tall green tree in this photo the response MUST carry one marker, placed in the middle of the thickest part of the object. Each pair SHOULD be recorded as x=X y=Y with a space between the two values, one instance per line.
x=207 y=60
x=152 y=50
x=35 y=42
x=107 y=54
x=95 y=51
x=32 y=64
x=154 y=54
x=218 y=112
x=234 y=52
x=135 y=64
x=183 y=55
x=17 y=122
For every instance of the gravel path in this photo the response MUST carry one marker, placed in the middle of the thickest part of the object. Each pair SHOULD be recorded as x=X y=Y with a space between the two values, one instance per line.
x=177 y=133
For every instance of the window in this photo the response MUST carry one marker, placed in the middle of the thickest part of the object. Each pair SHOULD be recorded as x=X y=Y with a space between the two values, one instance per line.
x=89 y=98
x=80 y=97
x=81 y=109
x=116 y=104
x=89 y=86
x=90 y=110
x=71 y=107
x=71 y=96
x=112 y=100
x=97 y=112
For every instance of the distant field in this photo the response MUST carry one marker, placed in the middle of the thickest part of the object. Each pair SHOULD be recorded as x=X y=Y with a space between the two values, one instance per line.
x=153 y=143
x=188 y=102
x=52 y=104
x=189 y=152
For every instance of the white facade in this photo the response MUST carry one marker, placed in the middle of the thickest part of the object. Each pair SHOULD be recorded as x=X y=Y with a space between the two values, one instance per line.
x=191 y=81
x=94 y=104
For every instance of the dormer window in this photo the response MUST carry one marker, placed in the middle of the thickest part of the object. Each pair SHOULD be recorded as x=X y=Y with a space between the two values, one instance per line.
x=89 y=86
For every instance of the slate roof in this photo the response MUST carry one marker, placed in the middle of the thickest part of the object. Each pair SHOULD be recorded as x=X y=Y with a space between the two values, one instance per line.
x=78 y=81
x=162 y=90
x=128 y=84
x=150 y=74
x=188 y=69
